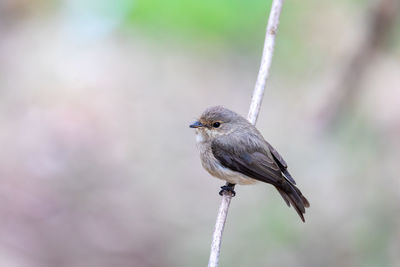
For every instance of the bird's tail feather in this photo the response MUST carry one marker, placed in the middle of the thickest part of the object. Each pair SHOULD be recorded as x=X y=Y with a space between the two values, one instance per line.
x=293 y=196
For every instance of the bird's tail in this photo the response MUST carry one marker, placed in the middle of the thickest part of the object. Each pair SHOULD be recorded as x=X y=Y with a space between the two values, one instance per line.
x=293 y=196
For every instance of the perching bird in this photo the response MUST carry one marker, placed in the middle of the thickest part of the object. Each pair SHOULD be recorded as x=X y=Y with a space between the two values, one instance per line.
x=232 y=149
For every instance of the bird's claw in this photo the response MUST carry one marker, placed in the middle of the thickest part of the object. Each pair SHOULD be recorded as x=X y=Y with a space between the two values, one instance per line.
x=229 y=189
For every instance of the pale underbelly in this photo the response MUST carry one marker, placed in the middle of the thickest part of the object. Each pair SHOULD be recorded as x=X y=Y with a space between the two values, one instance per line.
x=231 y=176
x=238 y=180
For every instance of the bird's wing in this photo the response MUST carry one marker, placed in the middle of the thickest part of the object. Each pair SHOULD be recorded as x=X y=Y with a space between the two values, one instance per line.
x=250 y=162
x=281 y=163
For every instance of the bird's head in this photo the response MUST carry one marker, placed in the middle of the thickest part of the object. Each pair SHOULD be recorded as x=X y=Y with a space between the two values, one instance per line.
x=215 y=122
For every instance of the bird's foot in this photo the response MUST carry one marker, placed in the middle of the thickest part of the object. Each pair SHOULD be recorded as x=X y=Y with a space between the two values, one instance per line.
x=229 y=188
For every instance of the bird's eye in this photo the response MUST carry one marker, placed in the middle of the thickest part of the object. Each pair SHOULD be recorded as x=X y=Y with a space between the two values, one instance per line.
x=216 y=124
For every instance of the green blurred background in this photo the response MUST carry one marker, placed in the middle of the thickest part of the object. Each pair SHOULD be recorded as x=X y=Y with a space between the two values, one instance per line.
x=99 y=167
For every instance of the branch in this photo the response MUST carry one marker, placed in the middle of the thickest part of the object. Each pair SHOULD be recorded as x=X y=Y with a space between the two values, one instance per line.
x=266 y=60
x=255 y=106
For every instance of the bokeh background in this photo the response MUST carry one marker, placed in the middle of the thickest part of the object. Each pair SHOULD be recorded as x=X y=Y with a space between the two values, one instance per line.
x=99 y=168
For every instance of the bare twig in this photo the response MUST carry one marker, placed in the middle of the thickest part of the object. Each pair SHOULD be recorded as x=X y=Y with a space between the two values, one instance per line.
x=266 y=60
x=255 y=106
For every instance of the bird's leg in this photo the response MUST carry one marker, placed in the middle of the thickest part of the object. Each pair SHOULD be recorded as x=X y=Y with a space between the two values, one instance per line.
x=229 y=188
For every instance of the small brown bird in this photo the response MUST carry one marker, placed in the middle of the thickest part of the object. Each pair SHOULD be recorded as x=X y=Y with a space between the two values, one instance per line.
x=232 y=149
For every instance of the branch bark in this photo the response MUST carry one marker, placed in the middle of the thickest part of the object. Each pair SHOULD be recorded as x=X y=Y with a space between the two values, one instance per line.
x=254 y=109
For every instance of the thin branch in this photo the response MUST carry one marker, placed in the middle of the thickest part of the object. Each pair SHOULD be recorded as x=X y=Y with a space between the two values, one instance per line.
x=255 y=106
x=266 y=60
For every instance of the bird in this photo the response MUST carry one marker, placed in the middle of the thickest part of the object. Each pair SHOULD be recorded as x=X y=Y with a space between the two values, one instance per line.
x=233 y=150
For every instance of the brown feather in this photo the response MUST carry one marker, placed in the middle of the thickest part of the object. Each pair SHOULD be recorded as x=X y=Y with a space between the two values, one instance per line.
x=236 y=151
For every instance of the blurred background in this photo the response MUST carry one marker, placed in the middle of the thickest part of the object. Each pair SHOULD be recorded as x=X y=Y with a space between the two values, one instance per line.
x=99 y=168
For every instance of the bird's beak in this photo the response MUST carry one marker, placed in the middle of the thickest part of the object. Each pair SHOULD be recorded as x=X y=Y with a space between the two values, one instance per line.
x=196 y=124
